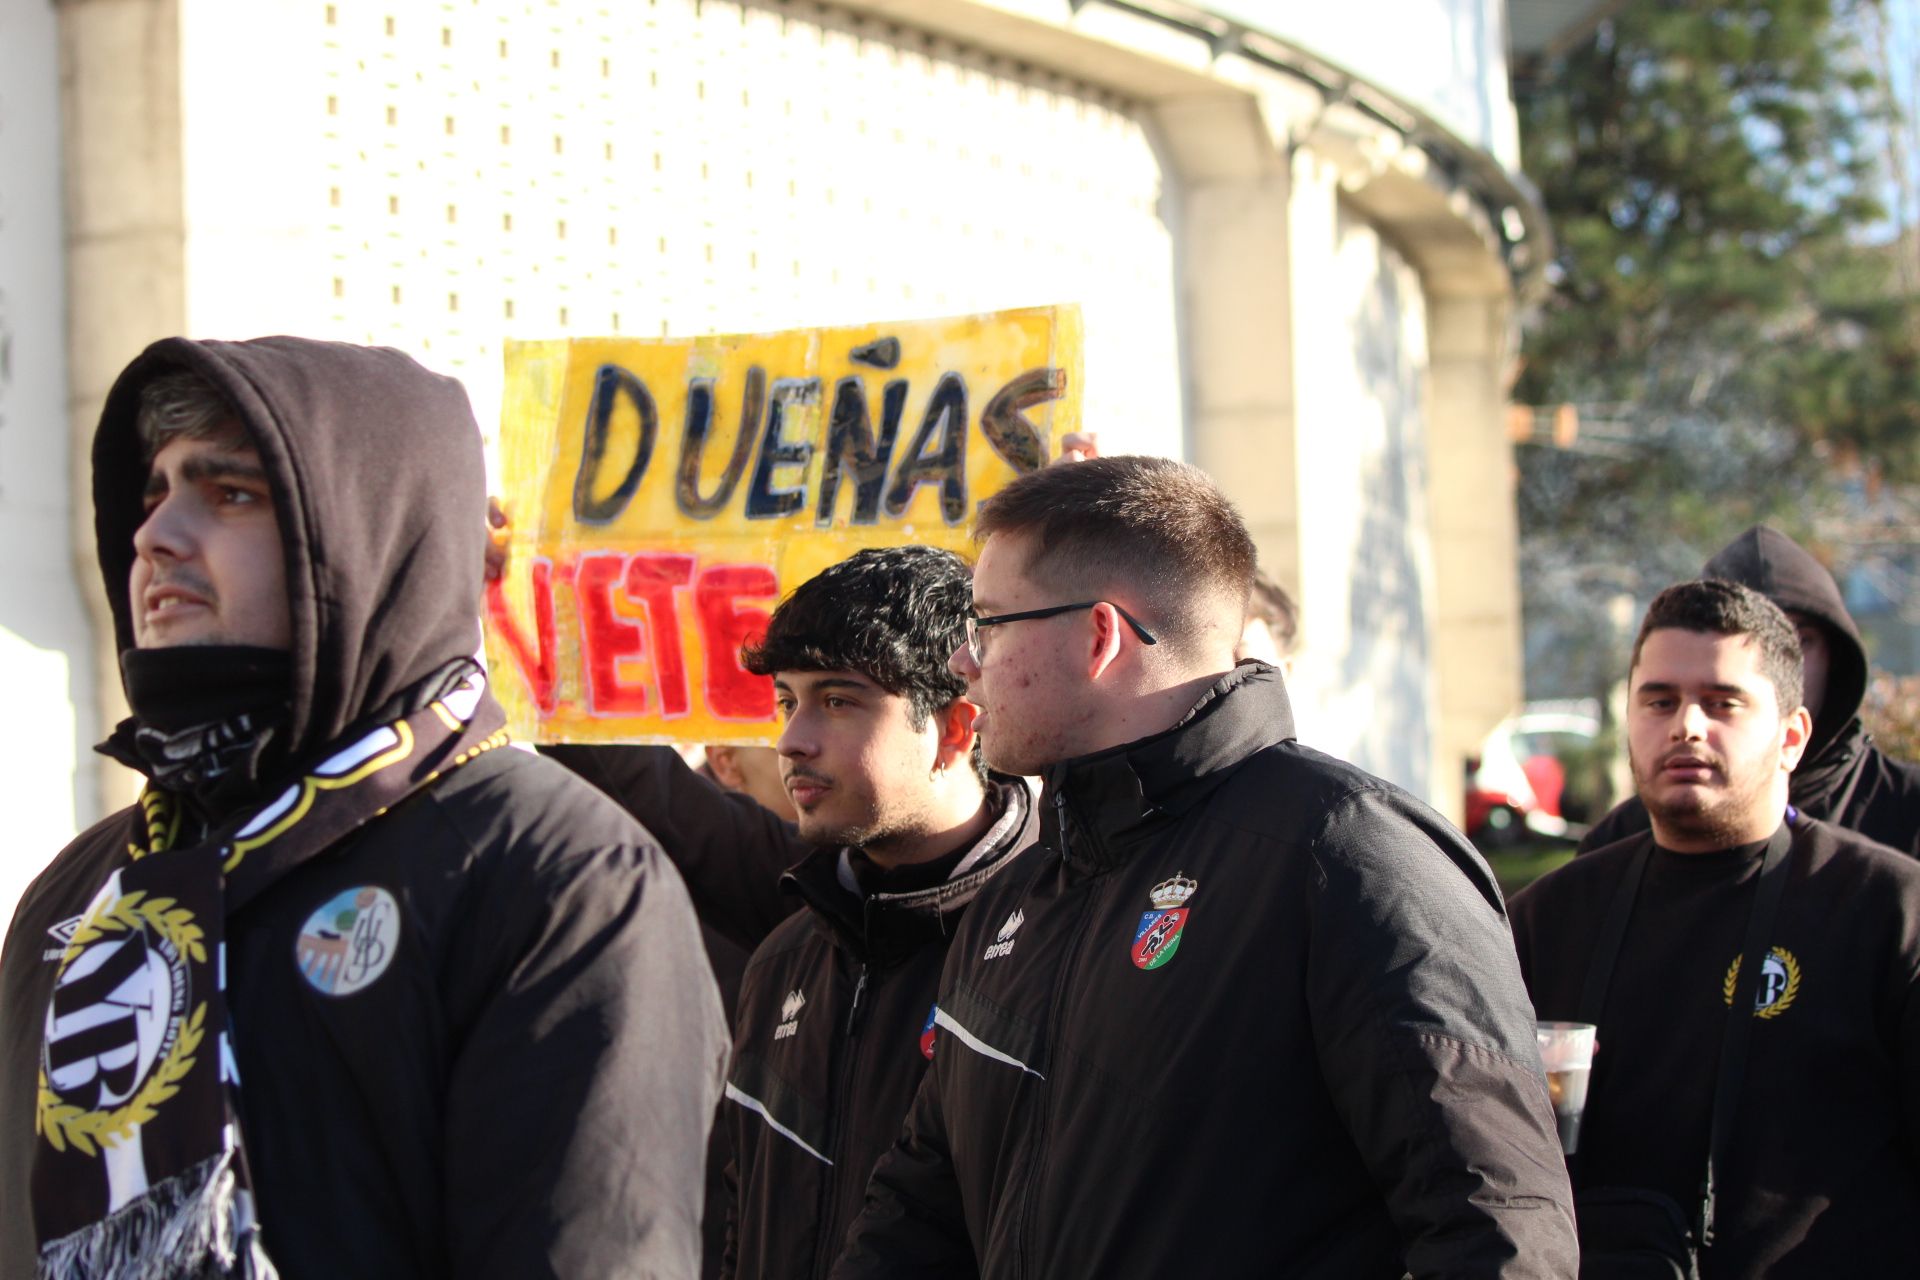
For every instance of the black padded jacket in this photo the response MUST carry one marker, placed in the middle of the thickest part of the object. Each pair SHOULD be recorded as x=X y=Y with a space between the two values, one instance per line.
x=1245 y=1010
x=833 y=1034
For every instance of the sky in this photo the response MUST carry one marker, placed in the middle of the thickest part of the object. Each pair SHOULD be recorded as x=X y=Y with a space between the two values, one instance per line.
x=1900 y=25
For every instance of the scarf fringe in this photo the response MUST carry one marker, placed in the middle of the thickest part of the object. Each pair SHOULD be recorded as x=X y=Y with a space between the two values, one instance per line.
x=197 y=1225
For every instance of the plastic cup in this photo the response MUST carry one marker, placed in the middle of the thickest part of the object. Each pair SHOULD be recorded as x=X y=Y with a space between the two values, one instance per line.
x=1566 y=1051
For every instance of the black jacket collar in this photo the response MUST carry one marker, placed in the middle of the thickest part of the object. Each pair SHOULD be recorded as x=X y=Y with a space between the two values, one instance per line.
x=1099 y=804
x=884 y=928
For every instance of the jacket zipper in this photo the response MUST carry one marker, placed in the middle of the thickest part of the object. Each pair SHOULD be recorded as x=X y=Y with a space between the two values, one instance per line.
x=853 y=1013
x=828 y=1249
x=1063 y=983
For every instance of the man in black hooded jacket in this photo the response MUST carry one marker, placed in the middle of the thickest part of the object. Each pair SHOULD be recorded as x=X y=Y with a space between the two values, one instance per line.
x=1843 y=779
x=352 y=991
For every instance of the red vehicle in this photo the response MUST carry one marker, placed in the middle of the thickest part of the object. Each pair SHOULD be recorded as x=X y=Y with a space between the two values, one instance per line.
x=1514 y=785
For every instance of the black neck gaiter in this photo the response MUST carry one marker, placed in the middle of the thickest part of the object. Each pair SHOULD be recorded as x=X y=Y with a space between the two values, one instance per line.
x=208 y=720
x=908 y=878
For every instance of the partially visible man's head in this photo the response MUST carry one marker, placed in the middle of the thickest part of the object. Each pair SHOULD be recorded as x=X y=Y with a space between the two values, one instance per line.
x=1144 y=543
x=1272 y=626
x=877 y=736
x=1785 y=572
x=1816 y=651
x=1715 y=724
x=753 y=772
x=209 y=566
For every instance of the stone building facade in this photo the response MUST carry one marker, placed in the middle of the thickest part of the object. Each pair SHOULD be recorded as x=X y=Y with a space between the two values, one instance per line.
x=1298 y=250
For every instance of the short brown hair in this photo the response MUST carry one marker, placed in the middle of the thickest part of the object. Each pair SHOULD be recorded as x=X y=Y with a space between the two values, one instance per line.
x=1159 y=526
x=184 y=406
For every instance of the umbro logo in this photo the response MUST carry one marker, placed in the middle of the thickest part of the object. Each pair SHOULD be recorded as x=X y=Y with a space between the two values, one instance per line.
x=790 y=1015
x=1003 y=941
x=62 y=934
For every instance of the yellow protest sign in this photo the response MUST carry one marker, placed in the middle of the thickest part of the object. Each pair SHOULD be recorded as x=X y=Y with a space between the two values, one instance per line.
x=664 y=495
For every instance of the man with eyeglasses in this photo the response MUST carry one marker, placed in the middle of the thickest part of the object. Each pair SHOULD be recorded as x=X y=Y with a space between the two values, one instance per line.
x=1245 y=1010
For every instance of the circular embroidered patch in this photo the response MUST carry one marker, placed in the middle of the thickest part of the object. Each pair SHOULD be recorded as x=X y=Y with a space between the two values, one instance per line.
x=349 y=942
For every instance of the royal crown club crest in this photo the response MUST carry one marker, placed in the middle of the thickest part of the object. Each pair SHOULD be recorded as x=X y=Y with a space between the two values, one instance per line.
x=1159 y=934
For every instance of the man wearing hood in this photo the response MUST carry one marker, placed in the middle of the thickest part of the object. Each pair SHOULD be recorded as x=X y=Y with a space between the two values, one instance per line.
x=1843 y=779
x=350 y=991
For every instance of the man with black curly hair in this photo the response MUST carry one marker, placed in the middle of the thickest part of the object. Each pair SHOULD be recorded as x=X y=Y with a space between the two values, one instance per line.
x=899 y=826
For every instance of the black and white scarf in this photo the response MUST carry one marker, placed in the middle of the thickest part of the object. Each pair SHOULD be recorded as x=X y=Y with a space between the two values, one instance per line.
x=139 y=1167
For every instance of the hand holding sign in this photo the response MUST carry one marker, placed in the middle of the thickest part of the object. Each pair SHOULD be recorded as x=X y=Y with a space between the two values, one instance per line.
x=496 y=564
x=1078 y=446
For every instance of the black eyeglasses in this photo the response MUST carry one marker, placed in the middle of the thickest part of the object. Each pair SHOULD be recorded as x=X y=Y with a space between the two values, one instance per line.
x=1025 y=615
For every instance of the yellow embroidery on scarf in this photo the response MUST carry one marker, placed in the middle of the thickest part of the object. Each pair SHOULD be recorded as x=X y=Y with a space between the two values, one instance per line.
x=313 y=784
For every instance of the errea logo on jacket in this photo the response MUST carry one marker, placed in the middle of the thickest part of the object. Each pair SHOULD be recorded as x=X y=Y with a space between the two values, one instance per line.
x=1003 y=941
x=790 y=1015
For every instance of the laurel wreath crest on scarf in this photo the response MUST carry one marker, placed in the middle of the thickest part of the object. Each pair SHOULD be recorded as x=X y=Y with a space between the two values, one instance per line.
x=139 y=1165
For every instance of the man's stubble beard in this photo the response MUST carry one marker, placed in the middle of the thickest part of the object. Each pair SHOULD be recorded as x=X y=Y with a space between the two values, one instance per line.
x=1720 y=821
x=880 y=826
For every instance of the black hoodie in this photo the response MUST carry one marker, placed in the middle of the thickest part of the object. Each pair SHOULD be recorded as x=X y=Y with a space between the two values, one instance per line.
x=524 y=1086
x=1843 y=778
